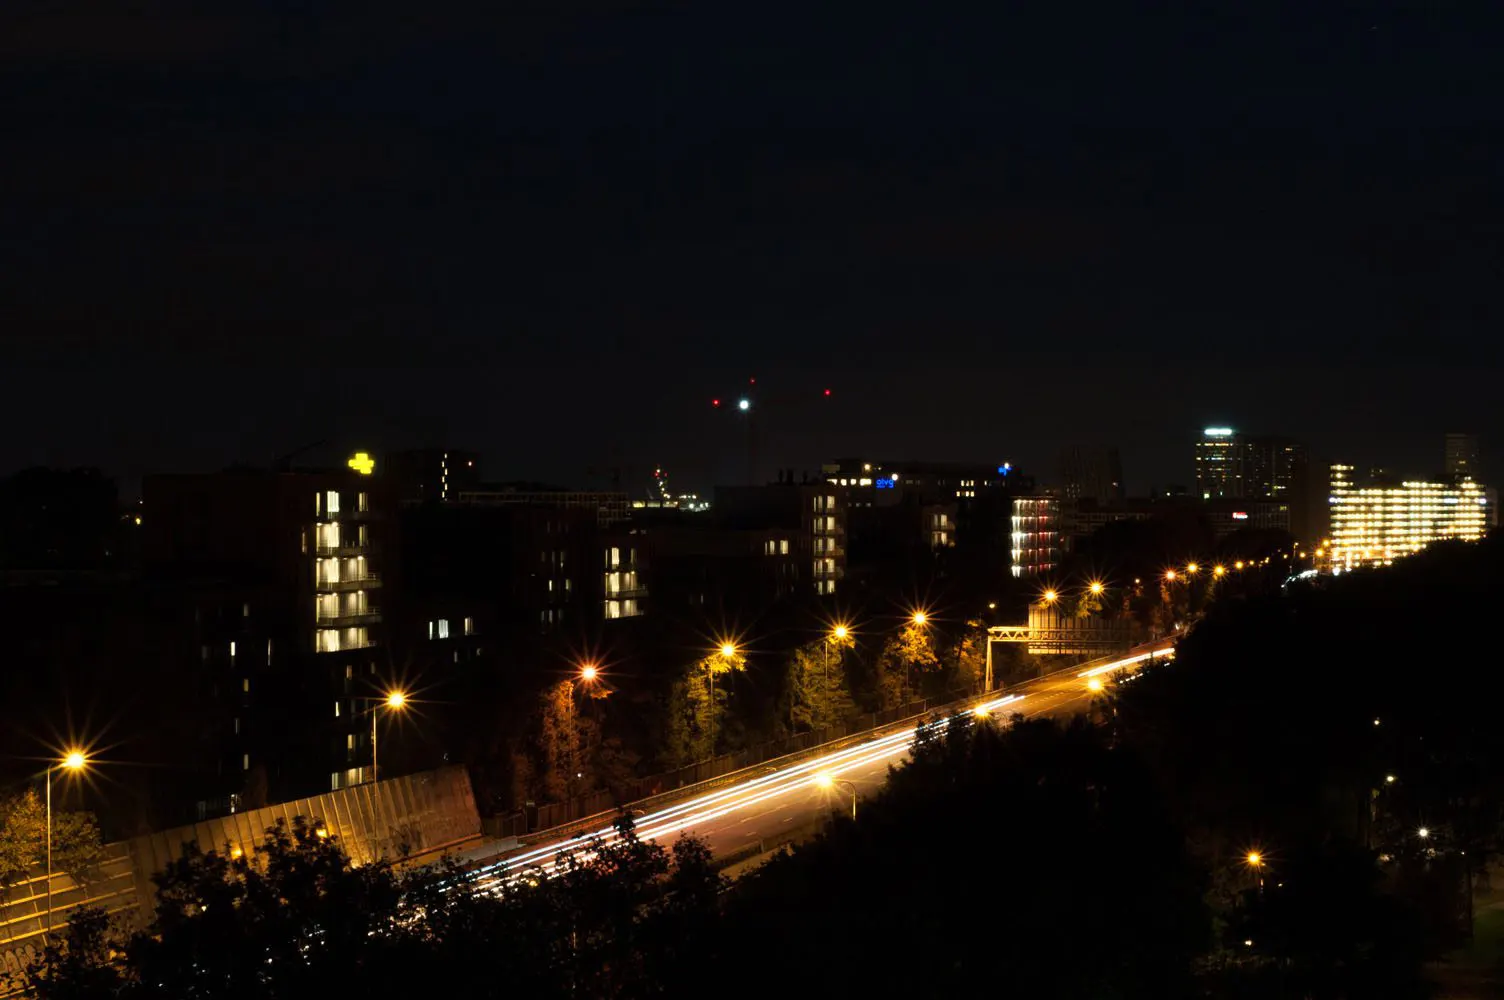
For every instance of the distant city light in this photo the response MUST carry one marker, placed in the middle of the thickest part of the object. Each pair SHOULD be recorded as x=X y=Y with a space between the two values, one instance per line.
x=744 y=405
x=1218 y=432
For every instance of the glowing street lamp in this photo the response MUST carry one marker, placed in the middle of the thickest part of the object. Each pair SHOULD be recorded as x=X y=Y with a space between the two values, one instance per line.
x=1170 y=575
x=1423 y=833
x=829 y=782
x=728 y=650
x=589 y=672
x=1255 y=861
x=1050 y=597
x=1095 y=685
x=74 y=761
x=393 y=701
x=1219 y=571
x=1097 y=586
x=1192 y=568
x=919 y=618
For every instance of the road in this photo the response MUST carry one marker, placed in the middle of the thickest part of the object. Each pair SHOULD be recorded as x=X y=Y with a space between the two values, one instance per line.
x=778 y=799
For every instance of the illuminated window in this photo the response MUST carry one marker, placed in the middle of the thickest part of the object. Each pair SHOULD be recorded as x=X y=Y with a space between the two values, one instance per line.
x=245 y=684
x=783 y=546
x=444 y=626
x=336 y=710
x=363 y=502
x=470 y=622
x=245 y=762
x=331 y=501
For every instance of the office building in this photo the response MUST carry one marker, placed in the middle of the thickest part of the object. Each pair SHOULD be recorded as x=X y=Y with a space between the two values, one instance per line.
x=1234 y=465
x=1094 y=474
x=1462 y=456
x=1036 y=536
x=1375 y=521
x=608 y=507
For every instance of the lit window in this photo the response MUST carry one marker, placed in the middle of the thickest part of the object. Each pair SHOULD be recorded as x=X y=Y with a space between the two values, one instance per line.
x=245 y=762
x=349 y=741
x=363 y=501
x=318 y=504
x=245 y=684
x=470 y=622
x=783 y=546
x=336 y=710
x=443 y=628
x=332 y=501
x=232 y=649
x=237 y=727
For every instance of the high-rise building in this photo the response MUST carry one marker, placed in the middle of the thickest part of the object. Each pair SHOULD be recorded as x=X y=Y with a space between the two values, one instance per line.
x=1462 y=456
x=1036 y=536
x=1235 y=466
x=282 y=569
x=1091 y=474
x=1219 y=463
x=1374 y=522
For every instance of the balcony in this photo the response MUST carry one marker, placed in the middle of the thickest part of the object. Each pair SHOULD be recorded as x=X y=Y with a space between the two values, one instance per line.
x=627 y=594
x=363 y=644
x=347 y=620
x=345 y=548
x=368 y=582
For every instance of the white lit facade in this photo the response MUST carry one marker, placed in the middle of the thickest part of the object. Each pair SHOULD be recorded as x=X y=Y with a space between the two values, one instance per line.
x=1374 y=524
x=622 y=587
x=1035 y=536
x=343 y=610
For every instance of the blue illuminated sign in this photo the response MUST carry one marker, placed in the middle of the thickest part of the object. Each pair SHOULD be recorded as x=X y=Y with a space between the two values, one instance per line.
x=1005 y=468
x=883 y=484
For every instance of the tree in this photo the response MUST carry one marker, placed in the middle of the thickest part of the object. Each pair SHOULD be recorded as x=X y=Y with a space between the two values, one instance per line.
x=23 y=838
x=85 y=963
x=816 y=690
x=971 y=656
x=909 y=651
x=561 y=743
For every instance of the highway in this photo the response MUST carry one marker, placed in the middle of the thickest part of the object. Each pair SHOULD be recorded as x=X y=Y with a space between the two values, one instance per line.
x=777 y=799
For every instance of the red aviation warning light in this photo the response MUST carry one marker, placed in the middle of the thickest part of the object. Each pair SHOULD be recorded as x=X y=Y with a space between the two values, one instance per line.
x=715 y=402
x=827 y=392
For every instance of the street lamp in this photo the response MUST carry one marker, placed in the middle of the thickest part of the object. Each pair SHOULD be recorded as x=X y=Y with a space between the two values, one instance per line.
x=920 y=618
x=838 y=635
x=1097 y=586
x=1423 y=833
x=1219 y=570
x=1192 y=568
x=1170 y=575
x=394 y=701
x=828 y=782
x=1050 y=596
x=1256 y=862
x=728 y=652
x=73 y=761
x=1095 y=685
x=589 y=672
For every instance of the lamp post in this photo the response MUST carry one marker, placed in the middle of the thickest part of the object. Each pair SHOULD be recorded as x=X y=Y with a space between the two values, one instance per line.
x=1256 y=862
x=394 y=701
x=73 y=761
x=837 y=635
x=828 y=782
x=728 y=652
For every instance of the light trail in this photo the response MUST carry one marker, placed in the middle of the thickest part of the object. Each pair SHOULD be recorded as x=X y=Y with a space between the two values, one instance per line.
x=1107 y=668
x=544 y=861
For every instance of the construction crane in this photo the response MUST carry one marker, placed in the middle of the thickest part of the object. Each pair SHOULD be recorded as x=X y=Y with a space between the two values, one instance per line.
x=748 y=405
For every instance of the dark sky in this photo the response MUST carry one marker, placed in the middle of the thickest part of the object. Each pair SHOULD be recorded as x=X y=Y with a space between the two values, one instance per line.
x=553 y=231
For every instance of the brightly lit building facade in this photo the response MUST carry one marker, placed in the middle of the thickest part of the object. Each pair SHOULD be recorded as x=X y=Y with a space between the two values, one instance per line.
x=1374 y=523
x=1035 y=536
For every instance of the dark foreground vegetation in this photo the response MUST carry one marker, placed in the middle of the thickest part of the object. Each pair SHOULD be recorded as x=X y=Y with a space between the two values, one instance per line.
x=1298 y=806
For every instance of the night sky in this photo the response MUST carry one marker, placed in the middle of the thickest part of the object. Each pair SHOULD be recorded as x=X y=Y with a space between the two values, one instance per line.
x=553 y=231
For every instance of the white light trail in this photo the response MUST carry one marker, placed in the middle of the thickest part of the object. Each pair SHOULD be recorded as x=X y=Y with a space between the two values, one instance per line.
x=1106 y=668
x=714 y=805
